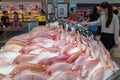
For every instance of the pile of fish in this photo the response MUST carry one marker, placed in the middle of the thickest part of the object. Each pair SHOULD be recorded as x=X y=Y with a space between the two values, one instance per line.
x=51 y=53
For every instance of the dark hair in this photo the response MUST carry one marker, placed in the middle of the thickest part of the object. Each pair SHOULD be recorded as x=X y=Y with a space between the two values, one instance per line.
x=105 y=5
x=95 y=9
x=72 y=9
x=15 y=13
x=116 y=12
x=43 y=12
x=4 y=12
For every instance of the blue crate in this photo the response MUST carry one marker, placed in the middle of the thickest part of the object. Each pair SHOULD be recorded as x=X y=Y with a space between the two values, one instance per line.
x=25 y=26
x=28 y=26
x=31 y=25
x=93 y=28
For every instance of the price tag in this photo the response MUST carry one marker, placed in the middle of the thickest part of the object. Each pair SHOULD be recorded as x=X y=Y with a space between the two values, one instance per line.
x=41 y=18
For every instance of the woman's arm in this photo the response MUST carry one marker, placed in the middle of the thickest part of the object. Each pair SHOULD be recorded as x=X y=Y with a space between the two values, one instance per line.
x=98 y=22
x=117 y=28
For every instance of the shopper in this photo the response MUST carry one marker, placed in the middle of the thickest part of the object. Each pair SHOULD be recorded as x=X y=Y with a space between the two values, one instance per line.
x=73 y=15
x=5 y=19
x=81 y=18
x=85 y=15
x=16 y=20
x=109 y=26
x=116 y=12
x=42 y=12
x=93 y=17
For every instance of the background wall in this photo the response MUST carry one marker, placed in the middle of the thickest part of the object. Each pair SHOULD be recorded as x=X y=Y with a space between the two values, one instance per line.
x=42 y=1
x=94 y=1
x=26 y=5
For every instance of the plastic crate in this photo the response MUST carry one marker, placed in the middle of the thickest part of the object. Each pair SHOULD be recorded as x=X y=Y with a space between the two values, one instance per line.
x=28 y=26
x=93 y=28
x=31 y=25
x=25 y=26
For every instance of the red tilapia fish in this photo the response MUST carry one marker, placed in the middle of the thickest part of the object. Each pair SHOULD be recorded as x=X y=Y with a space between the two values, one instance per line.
x=54 y=53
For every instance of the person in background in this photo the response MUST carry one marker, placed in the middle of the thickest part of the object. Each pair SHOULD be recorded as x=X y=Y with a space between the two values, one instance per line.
x=81 y=18
x=73 y=15
x=116 y=12
x=93 y=17
x=42 y=12
x=85 y=15
x=109 y=26
x=5 y=19
x=16 y=20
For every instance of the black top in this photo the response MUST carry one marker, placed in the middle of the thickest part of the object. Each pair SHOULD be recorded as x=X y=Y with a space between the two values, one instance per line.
x=5 y=19
x=94 y=16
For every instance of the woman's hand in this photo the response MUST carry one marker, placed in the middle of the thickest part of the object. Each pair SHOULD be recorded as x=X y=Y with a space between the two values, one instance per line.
x=86 y=23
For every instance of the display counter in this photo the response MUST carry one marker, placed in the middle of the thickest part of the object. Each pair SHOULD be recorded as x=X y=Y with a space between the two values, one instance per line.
x=51 y=53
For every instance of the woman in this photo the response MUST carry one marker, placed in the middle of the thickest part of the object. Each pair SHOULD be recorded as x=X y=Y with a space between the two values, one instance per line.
x=109 y=26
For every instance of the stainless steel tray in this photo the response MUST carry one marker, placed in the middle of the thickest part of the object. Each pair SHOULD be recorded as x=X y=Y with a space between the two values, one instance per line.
x=115 y=76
